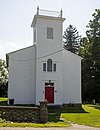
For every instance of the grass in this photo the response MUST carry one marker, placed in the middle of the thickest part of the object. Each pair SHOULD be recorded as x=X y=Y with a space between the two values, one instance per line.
x=35 y=125
x=86 y=115
x=3 y=101
x=90 y=116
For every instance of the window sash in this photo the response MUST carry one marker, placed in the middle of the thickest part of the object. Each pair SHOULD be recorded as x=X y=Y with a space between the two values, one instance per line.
x=44 y=66
x=49 y=65
x=50 y=33
x=54 y=67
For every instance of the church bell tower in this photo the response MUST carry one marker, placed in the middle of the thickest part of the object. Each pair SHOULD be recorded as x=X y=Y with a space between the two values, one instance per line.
x=47 y=31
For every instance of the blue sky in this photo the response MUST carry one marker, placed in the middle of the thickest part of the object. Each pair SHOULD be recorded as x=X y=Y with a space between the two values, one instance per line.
x=16 y=17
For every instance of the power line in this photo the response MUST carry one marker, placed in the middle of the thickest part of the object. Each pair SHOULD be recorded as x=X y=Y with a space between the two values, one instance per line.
x=23 y=60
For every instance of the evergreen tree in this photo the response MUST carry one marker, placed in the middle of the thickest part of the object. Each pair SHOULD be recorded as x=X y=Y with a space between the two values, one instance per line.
x=93 y=34
x=71 y=39
x=90 y=51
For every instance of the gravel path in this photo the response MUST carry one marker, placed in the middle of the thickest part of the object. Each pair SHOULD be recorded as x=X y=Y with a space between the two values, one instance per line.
x=81 y=127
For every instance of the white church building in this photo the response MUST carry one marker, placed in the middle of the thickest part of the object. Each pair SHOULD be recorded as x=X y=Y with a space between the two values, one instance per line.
x=45 y=70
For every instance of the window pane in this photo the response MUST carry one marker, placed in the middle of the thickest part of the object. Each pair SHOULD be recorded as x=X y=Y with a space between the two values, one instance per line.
x=49 y=65
x=51 y=84
x=50 y=33
x=54 y=67
x=44 y=66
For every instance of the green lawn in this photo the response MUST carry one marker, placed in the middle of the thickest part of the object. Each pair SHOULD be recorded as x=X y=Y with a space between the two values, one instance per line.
x=87 y=115
x=35 y=125
x=90 y=116
x=3 y=101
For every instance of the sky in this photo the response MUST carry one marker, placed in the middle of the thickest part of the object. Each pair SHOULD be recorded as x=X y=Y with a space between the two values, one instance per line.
x=16 y=17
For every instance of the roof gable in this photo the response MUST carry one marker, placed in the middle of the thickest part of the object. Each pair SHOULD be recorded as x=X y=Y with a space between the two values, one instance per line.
x=15 y=52
x=20 y=50
x=73 y=54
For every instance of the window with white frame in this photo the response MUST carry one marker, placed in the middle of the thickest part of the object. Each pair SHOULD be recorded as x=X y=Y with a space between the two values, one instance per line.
x=44 y=66
x=49 y=33
x=54 y=67
x=49 y=66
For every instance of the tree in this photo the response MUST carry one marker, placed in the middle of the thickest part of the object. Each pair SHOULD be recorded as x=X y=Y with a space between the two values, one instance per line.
x=86 y=63
x=93 y=34
x=90 y=51
x=3 y=78
x=71 y=39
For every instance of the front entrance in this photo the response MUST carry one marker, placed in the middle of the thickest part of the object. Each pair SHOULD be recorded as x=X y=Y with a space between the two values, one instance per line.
x=49 y=92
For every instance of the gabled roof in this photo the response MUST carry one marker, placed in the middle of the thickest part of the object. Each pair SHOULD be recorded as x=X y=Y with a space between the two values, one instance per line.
x=8 y=54
x=73 y=54
x=20 y=50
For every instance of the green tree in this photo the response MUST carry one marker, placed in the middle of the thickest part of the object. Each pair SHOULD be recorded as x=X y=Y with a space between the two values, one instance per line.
x=90 y=51
x=86 y=63
x=3 y=78
x=71 y=39
x=93 y=34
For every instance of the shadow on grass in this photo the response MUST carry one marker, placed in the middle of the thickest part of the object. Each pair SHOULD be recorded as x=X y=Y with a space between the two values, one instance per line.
x=95 y=106
x=55 y=114
x=54 y=118
x=68 y=110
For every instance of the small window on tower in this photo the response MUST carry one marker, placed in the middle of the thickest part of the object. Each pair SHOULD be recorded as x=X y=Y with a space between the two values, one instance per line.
x=50 y=33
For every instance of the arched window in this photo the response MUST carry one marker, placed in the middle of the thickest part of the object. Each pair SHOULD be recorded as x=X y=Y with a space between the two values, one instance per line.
x=49 y=65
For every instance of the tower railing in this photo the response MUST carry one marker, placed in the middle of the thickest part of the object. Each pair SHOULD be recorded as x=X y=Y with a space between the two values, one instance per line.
x=49 y=13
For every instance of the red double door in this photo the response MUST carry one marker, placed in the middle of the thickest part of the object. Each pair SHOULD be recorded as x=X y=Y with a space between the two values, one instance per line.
x=49 y=94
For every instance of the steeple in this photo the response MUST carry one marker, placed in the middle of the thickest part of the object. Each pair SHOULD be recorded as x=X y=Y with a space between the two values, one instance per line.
x=47 y=31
